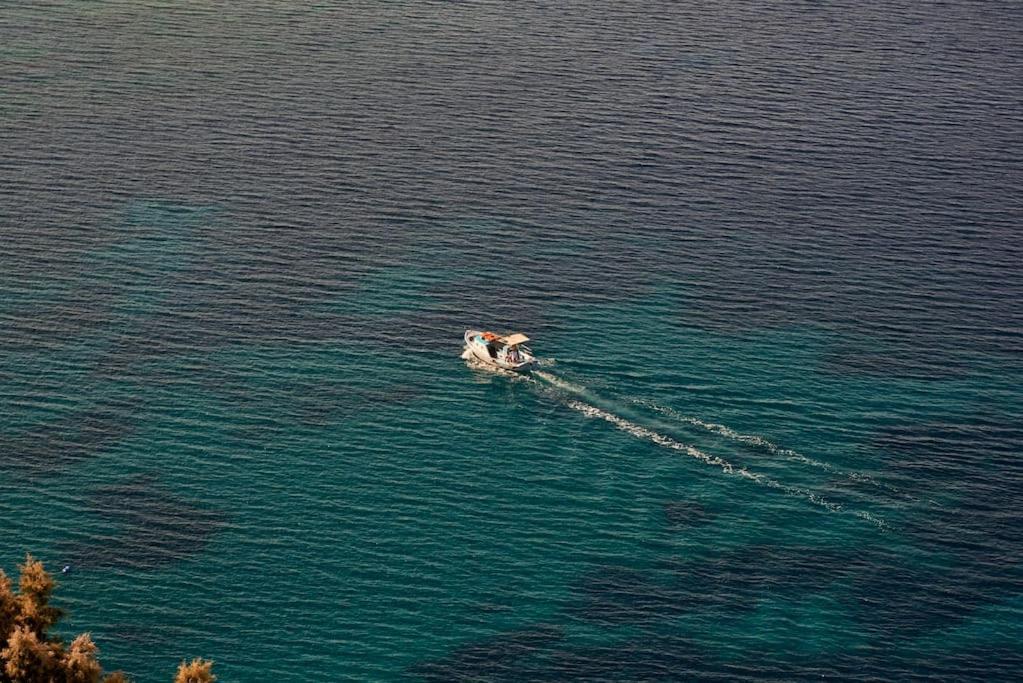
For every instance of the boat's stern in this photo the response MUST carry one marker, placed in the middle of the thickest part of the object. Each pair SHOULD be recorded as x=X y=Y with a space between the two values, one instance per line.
x=525 y=366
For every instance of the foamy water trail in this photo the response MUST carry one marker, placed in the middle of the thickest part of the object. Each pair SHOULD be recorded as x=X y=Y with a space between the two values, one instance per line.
x=559 y=383
x=716 y=461
x=729 y=433
x=667 y=442
x=660 y=439
x=761 y=442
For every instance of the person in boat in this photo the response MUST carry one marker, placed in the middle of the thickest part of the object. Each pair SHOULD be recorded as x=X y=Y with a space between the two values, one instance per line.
x=513 y=354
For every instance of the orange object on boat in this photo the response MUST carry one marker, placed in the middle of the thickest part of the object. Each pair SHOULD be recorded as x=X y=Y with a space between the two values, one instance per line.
x=489 y=336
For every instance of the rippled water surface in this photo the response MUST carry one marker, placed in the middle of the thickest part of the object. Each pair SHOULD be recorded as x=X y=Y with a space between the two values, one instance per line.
x=769 y=253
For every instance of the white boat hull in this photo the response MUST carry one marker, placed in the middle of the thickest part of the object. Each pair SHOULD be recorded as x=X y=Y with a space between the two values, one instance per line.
x=481 y=351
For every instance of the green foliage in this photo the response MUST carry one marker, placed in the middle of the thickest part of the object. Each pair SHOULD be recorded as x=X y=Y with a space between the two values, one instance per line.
x=29 y=655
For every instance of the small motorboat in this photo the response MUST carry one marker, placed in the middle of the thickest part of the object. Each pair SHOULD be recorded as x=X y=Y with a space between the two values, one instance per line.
x=507 y=352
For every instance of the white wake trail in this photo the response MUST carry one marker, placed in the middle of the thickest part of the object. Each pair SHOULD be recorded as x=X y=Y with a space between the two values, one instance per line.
x=723 y=430
x=726 y=467
x=559 y=383
x=659 y=439
x=713 y=460
x=761 y=442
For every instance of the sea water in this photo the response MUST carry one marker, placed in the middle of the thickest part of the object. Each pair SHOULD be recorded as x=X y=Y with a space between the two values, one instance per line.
x=769 y=256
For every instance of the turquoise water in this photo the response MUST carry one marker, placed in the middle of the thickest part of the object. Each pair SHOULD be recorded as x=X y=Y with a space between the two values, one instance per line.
x=768 y=256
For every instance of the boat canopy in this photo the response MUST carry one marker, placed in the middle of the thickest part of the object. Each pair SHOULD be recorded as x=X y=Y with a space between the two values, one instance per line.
x=514 y=339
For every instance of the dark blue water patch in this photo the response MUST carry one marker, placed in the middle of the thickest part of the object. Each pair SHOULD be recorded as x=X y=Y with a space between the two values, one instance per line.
x=915 y=292
x=652 y=659
x=155 y=528
x=969 y=558
x=741 y=577
x=728 y=584
x=56 y=325
x=656 y=657
x=915 y=343
x=93 y=287
x=675 y=658
x=619 y=595
x=969 y=466
x=495 y=658
x=52 y=447
x=680 y=514
x=509 y=259
x=930 y=449
x=321 y=404
x=174 y=346
x=188 y=321
x=920 y=365
x=894 y=596
x=281 y=393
